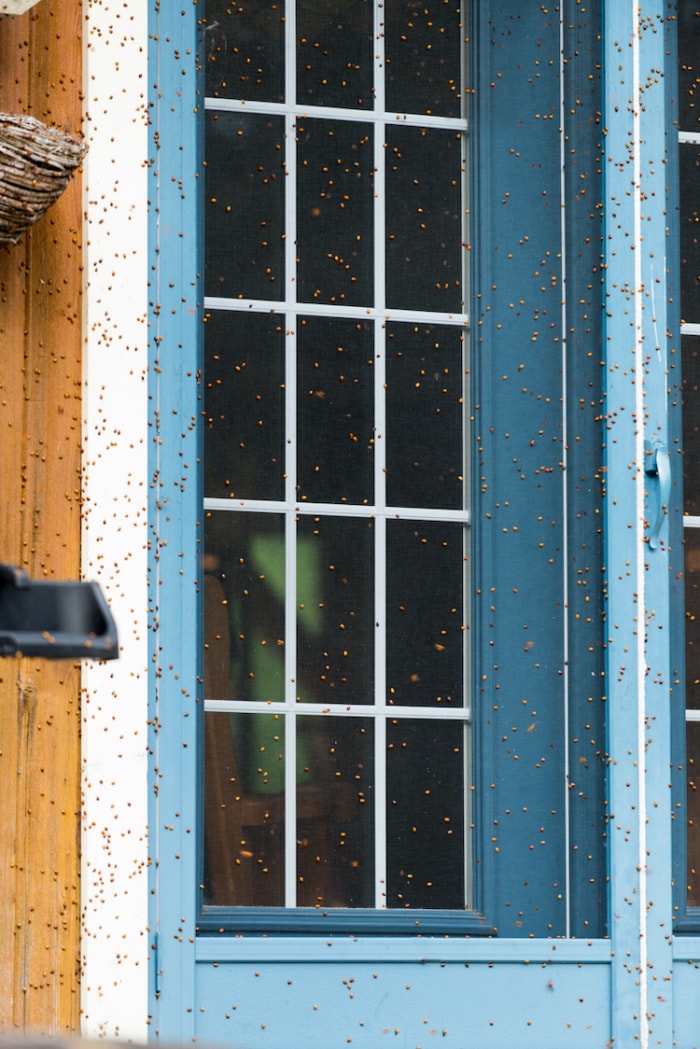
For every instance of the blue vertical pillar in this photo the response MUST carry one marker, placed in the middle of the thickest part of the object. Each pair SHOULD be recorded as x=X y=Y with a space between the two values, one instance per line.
x=638 y=323
x=174 y=510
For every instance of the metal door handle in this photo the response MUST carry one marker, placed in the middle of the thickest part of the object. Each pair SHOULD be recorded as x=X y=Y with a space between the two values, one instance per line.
x=656 y=464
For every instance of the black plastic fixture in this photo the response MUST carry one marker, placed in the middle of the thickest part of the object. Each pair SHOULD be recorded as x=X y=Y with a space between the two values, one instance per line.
x=54 y=620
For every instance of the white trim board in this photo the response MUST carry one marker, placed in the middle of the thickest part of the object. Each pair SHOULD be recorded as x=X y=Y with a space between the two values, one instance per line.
x=114 y=990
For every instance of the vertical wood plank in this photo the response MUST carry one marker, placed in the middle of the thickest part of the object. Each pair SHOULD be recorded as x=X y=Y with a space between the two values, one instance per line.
x=40 y=377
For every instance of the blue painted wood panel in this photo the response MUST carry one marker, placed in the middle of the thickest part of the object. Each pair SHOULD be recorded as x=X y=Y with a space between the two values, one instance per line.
x=282 y=1005
x=686 y=1004
x=539 y=690
x=685 y=992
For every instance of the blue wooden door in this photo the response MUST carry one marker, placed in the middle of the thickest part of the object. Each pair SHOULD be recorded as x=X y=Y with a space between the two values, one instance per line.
x=410 y=742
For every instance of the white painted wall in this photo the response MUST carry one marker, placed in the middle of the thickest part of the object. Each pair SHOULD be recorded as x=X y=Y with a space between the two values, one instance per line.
x=115 y=936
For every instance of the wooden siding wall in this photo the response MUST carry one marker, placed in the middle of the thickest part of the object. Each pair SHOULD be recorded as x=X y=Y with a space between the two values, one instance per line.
x=40 y=424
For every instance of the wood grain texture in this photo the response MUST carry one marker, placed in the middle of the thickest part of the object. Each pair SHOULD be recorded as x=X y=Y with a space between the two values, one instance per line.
x=40 y=418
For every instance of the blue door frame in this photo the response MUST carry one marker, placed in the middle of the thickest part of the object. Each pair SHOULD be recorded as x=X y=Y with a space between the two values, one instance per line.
x=639 y=985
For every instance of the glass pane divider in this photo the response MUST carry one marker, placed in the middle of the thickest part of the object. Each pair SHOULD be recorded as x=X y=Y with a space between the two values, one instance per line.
x=380 y=842
x=362 y=710
x=273 y=306
x=306 y=112
x=290 y=632
x=379 y=37
x=380 y=799
x=290 y=63
x=398 y=513
x=290 y=808
x=689 y=137
x=690 y=329
x=464 y=70
x=290 y=432
x=691 y=521
x=379 y=221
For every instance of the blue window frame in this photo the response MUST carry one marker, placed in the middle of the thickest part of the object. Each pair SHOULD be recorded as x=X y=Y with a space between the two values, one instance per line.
x=318 y=662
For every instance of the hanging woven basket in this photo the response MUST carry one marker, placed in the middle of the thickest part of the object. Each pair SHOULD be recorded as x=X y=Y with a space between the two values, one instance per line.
x=36 y=163
x=15 y=7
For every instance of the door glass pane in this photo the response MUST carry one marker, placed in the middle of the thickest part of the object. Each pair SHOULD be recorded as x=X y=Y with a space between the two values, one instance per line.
x=335 y=410
x=691 y=423
x=426 y=780
x=244 y=50
x=244 y=590
x=244 y=810
x=335 y=588
x=334 y=211
x=692 y=618
x=244 y=209
x=244 y=406
x=335 y=812
x=334 y=53
x=693 y=812
x=426 y=373
x=424 y=219
x=690 y=231
x=425 y=569
x=424 y=54
x=689 y=66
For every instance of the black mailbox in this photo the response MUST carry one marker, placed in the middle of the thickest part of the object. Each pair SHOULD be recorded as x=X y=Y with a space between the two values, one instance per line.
x=54 y=620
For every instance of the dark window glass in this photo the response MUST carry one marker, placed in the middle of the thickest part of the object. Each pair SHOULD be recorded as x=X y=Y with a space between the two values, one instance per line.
x=335 y=615
x=424 y=219
x=244 y=828
x=335 y=413
x=689 y=65
x=334 y=212
x=334 y=53
x=693 y=811
x=244 y=208
x=244 y=592
x=690 y=232
x=244 y=406
x=335 y=812
x=426 y=379
x=692 y=618
x=426 y=762
x=425 y=613
x=244 y=50
x=691 y=424
x=424 y=48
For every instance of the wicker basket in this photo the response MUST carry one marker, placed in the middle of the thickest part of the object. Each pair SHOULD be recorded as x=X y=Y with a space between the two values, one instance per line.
x=8 y=8
x=36 y=163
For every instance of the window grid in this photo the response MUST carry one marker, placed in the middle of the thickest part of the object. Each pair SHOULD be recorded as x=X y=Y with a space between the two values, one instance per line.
x=290 y=308
x=689 y=330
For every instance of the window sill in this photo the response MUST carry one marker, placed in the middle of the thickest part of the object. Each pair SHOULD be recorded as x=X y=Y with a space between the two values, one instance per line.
x=275 y=921
x=462 y=949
